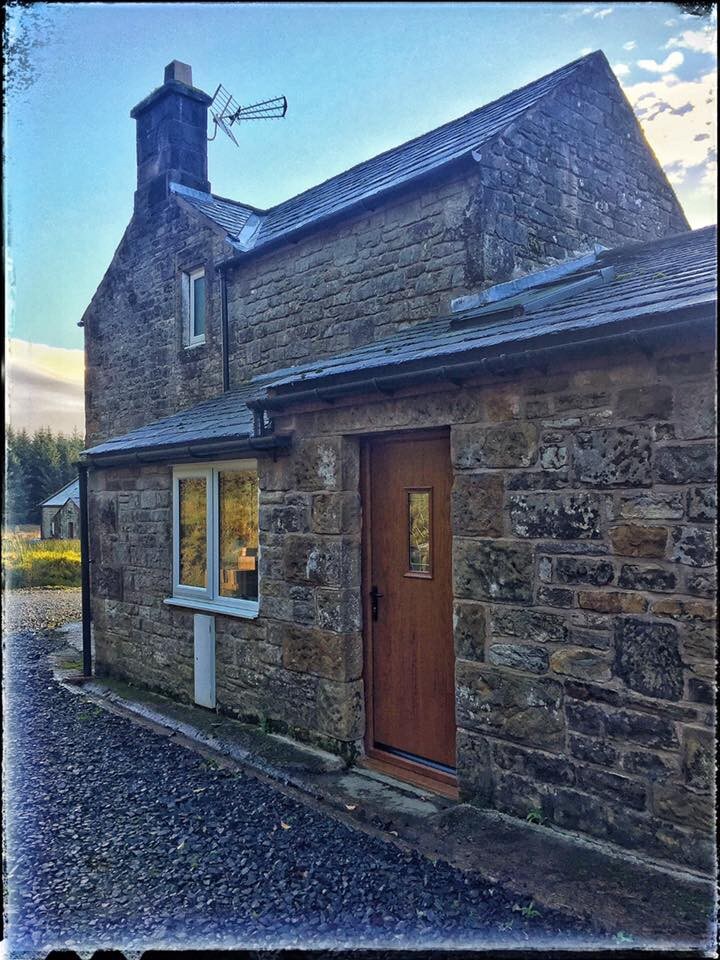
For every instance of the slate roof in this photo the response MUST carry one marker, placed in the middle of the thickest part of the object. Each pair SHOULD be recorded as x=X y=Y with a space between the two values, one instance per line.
x=226 y=417
x=648 y=280
x=604 y=289
x=71 y=491
x=249 y=229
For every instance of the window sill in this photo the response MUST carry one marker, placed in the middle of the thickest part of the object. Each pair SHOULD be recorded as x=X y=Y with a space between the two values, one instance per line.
x=193 y=344
x=250 y=612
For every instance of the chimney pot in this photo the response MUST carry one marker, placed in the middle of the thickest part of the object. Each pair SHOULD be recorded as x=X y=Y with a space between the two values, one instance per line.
x=179 y=71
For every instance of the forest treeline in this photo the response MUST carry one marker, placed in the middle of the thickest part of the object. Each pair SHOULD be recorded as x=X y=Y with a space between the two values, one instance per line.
x=36 y=466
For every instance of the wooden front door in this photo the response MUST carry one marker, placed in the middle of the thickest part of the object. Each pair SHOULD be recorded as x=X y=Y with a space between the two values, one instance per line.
x=408 y=586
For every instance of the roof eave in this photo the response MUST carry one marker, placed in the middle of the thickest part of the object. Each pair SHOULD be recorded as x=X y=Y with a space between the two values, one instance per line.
x=188 y=451
x=640 y=330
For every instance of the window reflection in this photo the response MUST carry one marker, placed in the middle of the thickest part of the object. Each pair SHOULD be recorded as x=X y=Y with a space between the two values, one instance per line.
x=193 y=531
x=238 y=544
x=419 y=531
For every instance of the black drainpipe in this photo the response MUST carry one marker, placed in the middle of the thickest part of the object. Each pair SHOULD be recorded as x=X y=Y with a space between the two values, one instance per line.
x=85 y=571
x=225 y=332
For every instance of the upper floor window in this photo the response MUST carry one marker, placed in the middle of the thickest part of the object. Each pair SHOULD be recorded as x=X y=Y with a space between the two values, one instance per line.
x=194 y=297
x=215 y=537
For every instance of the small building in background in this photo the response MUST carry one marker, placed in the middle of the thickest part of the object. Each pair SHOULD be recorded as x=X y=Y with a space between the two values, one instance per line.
x=61 y=513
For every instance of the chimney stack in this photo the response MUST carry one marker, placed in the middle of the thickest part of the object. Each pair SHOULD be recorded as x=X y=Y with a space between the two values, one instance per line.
x=171 y=135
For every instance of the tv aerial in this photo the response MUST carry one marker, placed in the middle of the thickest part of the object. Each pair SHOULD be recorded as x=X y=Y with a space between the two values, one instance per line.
x=226 y=111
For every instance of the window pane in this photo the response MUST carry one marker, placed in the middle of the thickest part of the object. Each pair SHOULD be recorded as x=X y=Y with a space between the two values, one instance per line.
x=419 y=530
x=198 y=293
x=193 y=531
x=238 y=544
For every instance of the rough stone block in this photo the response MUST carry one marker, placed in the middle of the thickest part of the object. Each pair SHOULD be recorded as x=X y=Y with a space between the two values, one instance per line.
x=341 y=709
x=317 y=464
x=474 y=768
x=338 y=610
x=651 y=506
x=555 y=597
x=695 y=411
x=532 y=626
x=647 y=729
x=647 y=658
x=509 y=706
x=322 y=653
x=532 y=764
x=596 y=751
x=469 y=631
x=630 y=540
x=612 y=786
x=613 y=457
x=477 y=505
x=693 y=546
x=672 y=801
x=562 y=516
x=518 y=656
x=634 y=577
x=493 y=570
x=650 y=766
x=702 y=504
x=585 y=664
x=505 y=445
x=698 y=758
x=611 y=601
x=599 y=573
x=688 y=464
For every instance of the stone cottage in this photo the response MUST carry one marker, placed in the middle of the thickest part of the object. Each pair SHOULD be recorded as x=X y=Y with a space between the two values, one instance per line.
x=419 y=465
x=60 y=514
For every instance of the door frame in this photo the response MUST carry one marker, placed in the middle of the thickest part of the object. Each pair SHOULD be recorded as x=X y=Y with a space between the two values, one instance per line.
x=410 y=770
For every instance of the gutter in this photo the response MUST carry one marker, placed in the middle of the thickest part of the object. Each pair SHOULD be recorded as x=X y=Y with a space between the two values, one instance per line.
x=208 y=450
x=85 y=571
x=457 y=370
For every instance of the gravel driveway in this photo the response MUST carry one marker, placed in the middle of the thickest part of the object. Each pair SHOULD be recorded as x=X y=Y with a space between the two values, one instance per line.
x=117 y=837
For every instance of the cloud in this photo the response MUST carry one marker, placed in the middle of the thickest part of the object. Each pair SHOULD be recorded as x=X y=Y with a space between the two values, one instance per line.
x=678 y=117
x=671 y=61
x=585 y=51
x=630 y=45
x=699 y=41
x=44 y=386
x=577 y=11
x=621 y=69
x=671 y=23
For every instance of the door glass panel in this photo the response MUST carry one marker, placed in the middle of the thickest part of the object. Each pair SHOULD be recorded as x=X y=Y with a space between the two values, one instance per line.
x=419 y=527
x=238 y=542
x=193 y=531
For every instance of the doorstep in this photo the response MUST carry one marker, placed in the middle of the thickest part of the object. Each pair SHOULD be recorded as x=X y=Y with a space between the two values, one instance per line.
x=617 y=893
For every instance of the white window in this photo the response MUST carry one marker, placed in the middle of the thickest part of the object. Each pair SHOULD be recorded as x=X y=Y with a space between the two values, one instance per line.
x=215 y=537
x=194 y=295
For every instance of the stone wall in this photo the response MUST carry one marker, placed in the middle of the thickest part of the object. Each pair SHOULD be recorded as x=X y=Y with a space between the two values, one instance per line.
x=137 y=367
x=573 y=171
x=583 y=526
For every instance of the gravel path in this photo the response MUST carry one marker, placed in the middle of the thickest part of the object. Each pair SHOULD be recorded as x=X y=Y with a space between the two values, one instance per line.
x=120 y=838
x=41 y=607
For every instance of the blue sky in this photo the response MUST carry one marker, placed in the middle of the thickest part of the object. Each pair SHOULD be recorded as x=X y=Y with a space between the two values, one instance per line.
x=359 y=78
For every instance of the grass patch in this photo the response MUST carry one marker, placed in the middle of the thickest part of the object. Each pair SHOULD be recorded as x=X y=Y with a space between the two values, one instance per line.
x=40 y=563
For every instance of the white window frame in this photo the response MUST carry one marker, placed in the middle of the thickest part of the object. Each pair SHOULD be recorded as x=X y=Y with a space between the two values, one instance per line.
x=207 y=598
x=191 y=276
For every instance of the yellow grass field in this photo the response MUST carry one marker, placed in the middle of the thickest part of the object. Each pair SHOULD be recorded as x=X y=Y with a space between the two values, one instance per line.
x=40 y=563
